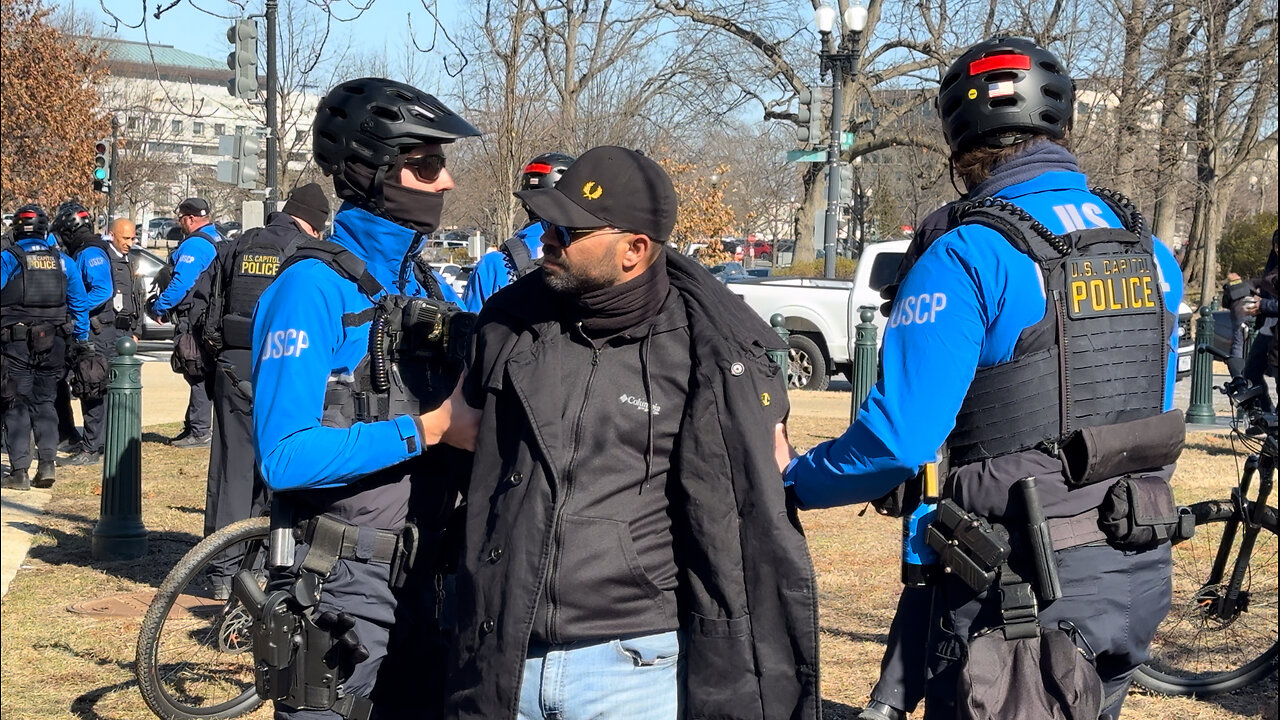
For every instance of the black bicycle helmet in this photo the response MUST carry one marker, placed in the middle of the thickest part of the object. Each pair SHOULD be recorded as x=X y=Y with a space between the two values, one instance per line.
x=1002 y=91
x=30 y=221
x=70 y=217
x=545 y=170
x=374 y=121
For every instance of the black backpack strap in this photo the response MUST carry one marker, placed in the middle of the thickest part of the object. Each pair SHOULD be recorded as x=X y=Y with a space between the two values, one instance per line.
x=1017 y=226
x=340 y=260
x=519 y=259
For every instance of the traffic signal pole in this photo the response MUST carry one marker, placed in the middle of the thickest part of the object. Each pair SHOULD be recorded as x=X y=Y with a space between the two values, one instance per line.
x=273 y=147
x=115 y=155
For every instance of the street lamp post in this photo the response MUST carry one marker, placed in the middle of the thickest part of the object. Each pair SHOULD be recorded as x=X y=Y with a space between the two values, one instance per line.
x=839 y=59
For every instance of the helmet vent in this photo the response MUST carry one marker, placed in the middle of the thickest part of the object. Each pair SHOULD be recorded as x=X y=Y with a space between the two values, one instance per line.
x=1051 y=93
x=1051 y=67
x=328 y=137
x=1009 y=101
x=1050 y=118
x=337 y=111
x=386 y=113
x=353 y=89
x=1002 y=76
x=400 y=94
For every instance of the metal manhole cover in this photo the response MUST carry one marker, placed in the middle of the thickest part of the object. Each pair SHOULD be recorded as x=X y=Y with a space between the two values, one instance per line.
x=136 y=604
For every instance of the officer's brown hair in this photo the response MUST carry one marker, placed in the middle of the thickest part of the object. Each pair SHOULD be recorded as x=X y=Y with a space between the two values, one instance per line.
x=975 y=165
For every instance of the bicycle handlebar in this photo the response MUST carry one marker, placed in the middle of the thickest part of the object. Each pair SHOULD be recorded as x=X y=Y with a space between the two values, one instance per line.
x=1243 y=393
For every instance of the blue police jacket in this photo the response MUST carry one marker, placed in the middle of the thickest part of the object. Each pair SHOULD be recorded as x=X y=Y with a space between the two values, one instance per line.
x=492 y=274
x=77 y=298
x=189 y=260
x=95 y=266
x=961 y=307
x=299 y=343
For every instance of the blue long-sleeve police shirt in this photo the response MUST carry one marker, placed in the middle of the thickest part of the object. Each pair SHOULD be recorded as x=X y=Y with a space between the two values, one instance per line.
x=960 y=308
x=95 y=267
x=77 y=298
x=300 y=342
x=190 y=259
x=491 y=273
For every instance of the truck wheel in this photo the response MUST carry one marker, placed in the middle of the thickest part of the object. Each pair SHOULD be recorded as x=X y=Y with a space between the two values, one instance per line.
x=806 y=365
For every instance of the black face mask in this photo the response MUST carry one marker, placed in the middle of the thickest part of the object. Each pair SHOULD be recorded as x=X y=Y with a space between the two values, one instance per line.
x=418 y=210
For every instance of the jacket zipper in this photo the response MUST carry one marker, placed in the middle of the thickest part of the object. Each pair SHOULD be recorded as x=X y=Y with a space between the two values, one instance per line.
x=563 y=500
x=1063 y=358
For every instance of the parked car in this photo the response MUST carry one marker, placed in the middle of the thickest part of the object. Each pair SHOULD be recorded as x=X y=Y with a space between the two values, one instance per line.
x=156 y=229
x=763 y=249
x=760 y=272
x=146 y=265
x=821 y=313
x=229 y=230
x=724 y=272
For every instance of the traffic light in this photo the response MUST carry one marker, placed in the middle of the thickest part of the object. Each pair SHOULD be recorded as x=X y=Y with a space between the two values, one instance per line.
x=809 y=131
x=241 y=168
x=102 y=165
x=243 y=60
x=846 y=184
x=247 y=161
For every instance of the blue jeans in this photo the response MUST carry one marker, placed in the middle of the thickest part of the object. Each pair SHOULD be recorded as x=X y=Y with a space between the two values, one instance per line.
x=635 y=679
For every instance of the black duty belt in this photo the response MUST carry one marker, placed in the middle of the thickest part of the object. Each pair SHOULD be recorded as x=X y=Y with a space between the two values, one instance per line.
x=331 y=540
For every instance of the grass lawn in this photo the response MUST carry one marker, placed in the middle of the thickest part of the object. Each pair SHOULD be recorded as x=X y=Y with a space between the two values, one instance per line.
x=61 y=664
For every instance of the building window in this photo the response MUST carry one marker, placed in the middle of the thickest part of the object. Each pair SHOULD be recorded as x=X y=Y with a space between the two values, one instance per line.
x=197 y=128
x=219 y=129
x=132 y=123
x=299 y=136
x=176 y=127
x=154 y=125
x=240 y=129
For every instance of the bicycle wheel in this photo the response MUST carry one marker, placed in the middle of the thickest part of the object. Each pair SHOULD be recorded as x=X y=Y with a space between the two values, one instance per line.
x=195 y=656
x=1198 y=650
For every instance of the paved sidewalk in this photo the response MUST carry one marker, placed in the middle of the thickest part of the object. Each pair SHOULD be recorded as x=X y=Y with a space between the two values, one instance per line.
x=164 y=400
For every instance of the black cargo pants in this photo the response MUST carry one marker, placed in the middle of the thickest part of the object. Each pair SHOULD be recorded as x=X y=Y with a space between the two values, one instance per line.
x=235 y=489
x=35 y=385
x=95 y=409
x=1116 y=599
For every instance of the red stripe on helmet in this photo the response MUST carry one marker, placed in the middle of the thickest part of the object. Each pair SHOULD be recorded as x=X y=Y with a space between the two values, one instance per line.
x=540 y=168
x=1000 y=62
x=27 y=215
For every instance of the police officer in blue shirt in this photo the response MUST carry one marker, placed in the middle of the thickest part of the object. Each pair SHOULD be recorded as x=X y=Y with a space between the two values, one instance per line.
x=519 y=253
x=115 y=308
x=336 y=451
x=43 y=300
x=179 y=303
x=1025 y=329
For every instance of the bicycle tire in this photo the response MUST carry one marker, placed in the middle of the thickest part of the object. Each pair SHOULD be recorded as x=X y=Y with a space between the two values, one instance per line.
x=150 y=668
x=1168 y=671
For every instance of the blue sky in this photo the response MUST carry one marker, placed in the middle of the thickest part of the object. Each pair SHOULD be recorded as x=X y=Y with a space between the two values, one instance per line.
x=200 y=30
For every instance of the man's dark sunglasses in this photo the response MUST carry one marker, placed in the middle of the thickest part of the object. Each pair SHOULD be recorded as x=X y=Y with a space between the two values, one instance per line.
x=426 y=167
x=565 y=236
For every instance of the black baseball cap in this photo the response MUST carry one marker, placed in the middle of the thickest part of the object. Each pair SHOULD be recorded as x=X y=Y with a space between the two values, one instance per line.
x=609 y=186
x=196 y=207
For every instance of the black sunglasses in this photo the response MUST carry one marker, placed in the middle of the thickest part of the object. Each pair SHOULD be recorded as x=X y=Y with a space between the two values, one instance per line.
x=426 y=167
x=566 y=236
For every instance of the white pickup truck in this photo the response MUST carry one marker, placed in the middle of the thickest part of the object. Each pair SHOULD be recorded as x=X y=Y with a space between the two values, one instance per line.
x=820 y=314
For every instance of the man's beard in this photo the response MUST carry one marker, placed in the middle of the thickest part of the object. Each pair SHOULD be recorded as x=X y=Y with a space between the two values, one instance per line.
x=578 y=281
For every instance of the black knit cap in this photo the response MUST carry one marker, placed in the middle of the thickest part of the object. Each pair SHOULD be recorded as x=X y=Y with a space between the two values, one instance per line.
x=610 y=186
x=308 y=202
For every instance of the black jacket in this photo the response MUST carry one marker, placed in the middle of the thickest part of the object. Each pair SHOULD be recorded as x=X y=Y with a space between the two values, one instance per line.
x=747 y=598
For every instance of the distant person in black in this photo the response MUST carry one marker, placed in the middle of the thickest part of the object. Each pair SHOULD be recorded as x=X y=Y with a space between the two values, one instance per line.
x=241 y=271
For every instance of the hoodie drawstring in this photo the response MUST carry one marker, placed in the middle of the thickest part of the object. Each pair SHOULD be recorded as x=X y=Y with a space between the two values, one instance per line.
x=648 y=399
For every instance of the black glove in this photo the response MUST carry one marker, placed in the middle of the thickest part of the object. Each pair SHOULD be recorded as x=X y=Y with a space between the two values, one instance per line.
x=82 y=349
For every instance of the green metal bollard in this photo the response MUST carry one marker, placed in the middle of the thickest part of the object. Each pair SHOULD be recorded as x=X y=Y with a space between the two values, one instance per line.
x=120 y=534
x=779 y=357
x=1200 y=410
x=864 y=359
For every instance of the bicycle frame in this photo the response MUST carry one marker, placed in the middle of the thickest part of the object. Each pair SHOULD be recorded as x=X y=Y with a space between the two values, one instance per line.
x=1228 y=605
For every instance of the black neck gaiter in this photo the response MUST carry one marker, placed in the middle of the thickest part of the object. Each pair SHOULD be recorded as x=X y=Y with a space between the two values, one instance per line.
x=418 y=210
x=615 y=309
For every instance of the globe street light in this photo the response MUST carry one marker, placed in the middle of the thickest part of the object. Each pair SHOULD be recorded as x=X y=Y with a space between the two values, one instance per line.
x=840 y=59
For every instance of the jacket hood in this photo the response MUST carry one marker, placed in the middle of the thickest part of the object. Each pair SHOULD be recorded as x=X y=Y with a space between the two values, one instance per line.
x=384 y=246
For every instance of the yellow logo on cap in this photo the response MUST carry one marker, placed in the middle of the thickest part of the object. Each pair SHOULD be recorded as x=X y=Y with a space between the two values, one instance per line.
x=592 y=190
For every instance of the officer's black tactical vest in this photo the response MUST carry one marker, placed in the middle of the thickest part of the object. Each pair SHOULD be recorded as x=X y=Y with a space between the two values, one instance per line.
x=519 y=260
x=38 y=292
x=122 y=284
x=354 y=398
x=1099 y=355
x=252 y=270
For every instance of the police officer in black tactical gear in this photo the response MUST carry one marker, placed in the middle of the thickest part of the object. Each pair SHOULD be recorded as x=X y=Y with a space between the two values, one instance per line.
x=351 y=391
x=1036 y=343
x=44 y=301
x=240 y=273
x=116 y=308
